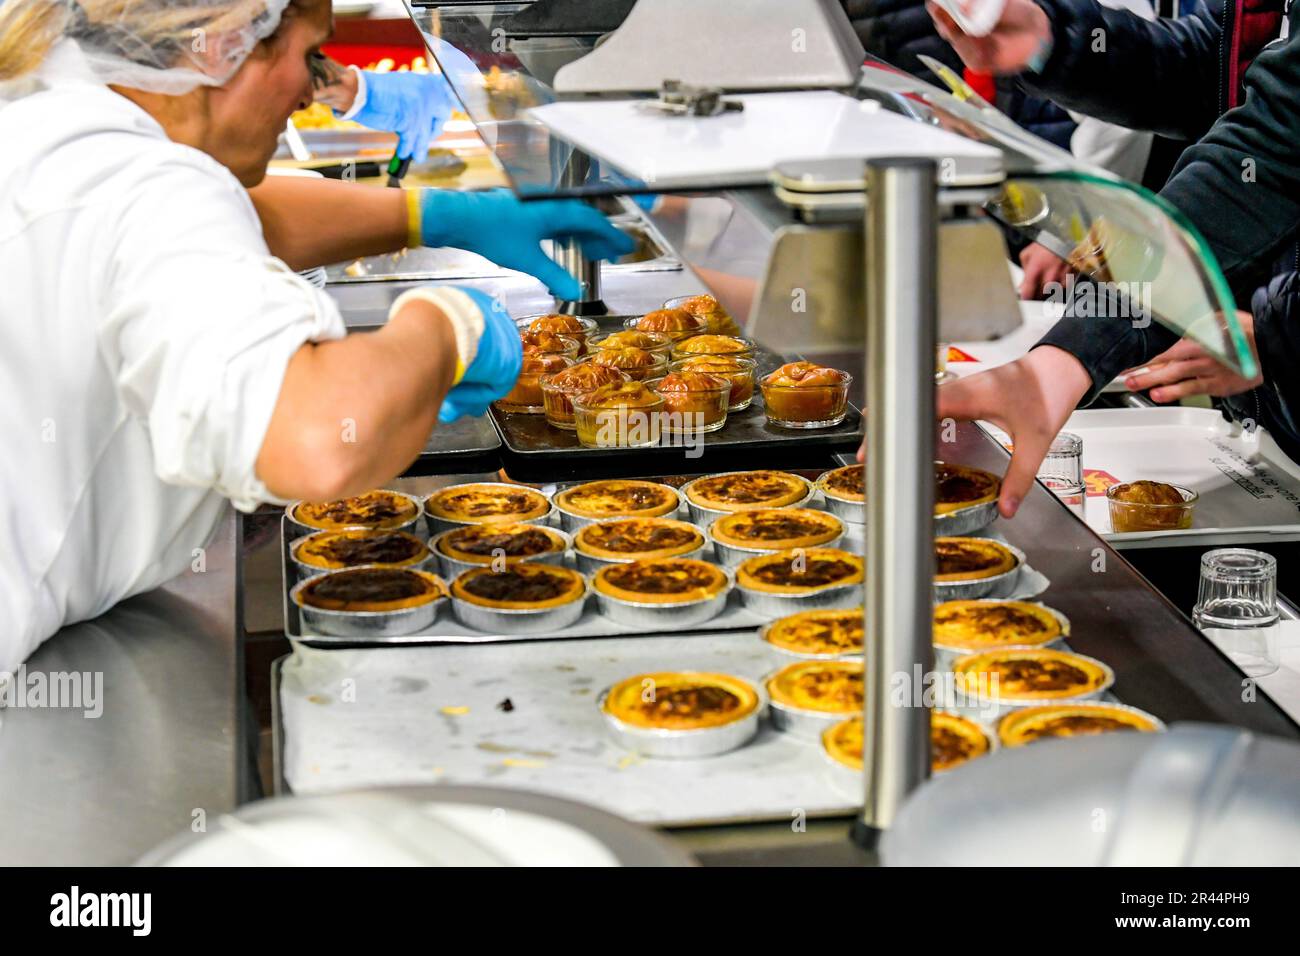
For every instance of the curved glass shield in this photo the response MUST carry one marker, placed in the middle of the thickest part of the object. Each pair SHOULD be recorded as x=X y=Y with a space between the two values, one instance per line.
x=1144 y=260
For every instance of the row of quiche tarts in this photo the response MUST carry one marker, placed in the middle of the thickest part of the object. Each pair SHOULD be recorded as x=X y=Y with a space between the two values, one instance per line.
x=646 y=571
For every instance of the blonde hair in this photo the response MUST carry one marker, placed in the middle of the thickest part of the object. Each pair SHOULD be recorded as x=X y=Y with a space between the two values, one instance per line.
x=155 y=33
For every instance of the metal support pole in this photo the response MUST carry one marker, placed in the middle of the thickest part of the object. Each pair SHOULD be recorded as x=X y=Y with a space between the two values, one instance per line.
x=569 y=254
x=901 y=299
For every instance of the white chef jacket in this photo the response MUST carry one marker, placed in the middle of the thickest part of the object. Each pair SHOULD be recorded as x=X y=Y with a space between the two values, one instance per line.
x=146 y=329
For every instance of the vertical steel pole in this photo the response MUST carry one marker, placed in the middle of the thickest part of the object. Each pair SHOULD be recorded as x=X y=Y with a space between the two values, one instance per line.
x=569 y=254
x=901 y=297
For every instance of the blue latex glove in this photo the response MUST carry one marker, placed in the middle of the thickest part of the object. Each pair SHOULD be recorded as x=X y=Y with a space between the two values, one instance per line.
x=496 y=364
x=500 y=227
x=413 y=105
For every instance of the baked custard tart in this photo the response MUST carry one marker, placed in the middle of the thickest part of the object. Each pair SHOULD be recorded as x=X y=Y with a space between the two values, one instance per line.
x=334 y=550
x=844 y=484
x=971 y=567
x=497 y=545
x=743 y=534
x=374 y=510
x=818 y=634
x=782 y=582
x=806 y=697
x=664 y=592
x=524 y=598
x=559 y=389
x=369 y=601
x=957 y=487
x=485 y=503
x=616 y=498
x=744 y=491
x=968 y=626
x=1024 y=675
x=1072 y=720
x=677 y=324
x=954 y=740
x=682 y=713
x=635 y=539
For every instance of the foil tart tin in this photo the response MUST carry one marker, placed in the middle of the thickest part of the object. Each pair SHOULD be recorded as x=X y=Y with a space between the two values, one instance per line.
x=767 y=604
x=684 y=744
x=987 y=710
x=654 y=616
x=590 y=564
x=706 y=516
x=304 y=571
x=451 y=567
x=732 y=556
x=791 y=656
x=799 y=721
x=982 y=587
x=437 y=525
x=945 y=654
x=362 y=624
x=1159 y=724
x=296 y=529
x=572 y=522
x=850 y=512
x=493 y=620
x=964 y=521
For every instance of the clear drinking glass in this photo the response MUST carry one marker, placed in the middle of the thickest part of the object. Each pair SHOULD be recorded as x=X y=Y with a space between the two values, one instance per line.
x=1062 y=471
x=1236 y=607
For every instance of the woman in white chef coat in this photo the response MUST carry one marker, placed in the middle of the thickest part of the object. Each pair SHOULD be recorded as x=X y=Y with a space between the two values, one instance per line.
x=161 y=355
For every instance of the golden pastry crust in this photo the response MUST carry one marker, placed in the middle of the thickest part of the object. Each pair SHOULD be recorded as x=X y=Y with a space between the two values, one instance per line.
x=956 y=487
x=675 y=323
x=661 y=581
x=699 y=395
x=712 y=311
x=549 y=343
x=570 y=325
x=371 y=590
x=1029 y=673
x=708 y=344
x=486 y=543
x=621 y=395
x=738 y=371
x=1147 y=493
x=633 y=339
x=637 y=364
x=971 y=559
x=527 y=586
x=747 y=490
x=638 y=539
x=374 y=510
x=980 y=625
x=331 y=550
x=826 y=687
x=488 y=503
x=805 y=392
x=616 y=497
x=675 y=700
x=824 y=633
x=954 y=740
x=776 y=529
x=1149 y=506
x=1069 y=720
x=846 y=484
x=800 y=571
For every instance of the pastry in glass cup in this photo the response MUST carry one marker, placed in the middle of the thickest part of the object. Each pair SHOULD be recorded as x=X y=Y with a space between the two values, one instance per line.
x=806 y=395
x=709 y=344
x=694 y=402
x=570 y=326
x=677 y=324
x=618 y=415
x=631 y=339
x=636 y=364
x=738 y=371
x=549 y=342
x=709 y=309
x=526 y=396
x=559 y=389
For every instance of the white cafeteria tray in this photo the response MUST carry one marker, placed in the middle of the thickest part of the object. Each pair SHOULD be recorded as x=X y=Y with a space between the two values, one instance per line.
x=1249 y=490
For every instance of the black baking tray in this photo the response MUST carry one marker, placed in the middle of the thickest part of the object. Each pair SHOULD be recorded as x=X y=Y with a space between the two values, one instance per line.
x=531 y=446
x=466 y=445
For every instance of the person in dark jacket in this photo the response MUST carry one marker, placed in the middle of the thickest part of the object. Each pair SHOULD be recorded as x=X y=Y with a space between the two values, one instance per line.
x=1239 y=186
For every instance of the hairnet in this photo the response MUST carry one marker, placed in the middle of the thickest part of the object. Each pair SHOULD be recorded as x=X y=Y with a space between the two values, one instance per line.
x=164 y=46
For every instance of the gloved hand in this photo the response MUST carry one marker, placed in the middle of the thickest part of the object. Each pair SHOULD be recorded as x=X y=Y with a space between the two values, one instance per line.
x=413 y=105
x=500 y=227
x=490 y=355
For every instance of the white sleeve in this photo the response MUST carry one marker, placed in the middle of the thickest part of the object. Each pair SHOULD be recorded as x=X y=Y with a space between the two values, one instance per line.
x=201 y=322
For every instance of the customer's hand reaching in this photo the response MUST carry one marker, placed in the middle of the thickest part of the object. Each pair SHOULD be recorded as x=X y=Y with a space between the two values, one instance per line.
x=1188 y=369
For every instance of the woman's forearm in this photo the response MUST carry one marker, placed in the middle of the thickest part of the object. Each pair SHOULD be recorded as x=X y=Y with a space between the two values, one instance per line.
x=312 y=222
x=353 y=413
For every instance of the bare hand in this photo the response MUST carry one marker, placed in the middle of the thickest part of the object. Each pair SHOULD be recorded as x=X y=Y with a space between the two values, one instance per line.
x=1029 y=399
x=1188 y=369
x=1019 y=34
x=1041 y=268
